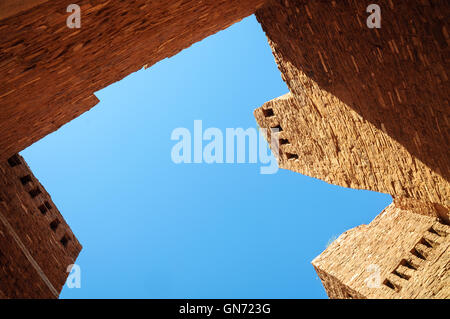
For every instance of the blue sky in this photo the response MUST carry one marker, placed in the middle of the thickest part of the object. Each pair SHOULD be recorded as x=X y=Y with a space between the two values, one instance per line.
x=151 y=228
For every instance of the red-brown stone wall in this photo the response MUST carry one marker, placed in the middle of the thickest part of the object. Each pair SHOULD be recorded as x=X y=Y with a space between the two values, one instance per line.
x=28 y=213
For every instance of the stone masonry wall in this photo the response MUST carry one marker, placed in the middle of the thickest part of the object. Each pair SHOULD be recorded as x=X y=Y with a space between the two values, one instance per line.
x=36 y=244
x=395 y=77
x=369 y=108
x=49 y=72
x=10 y=8
x=400 y=254
x=334 y=143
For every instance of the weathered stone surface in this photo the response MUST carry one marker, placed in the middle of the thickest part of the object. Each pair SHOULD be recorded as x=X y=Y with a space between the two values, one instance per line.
x=400 y=254
x=395 y=77
x=369 y=108
x=11 y=8
x=424 y=208
x=50 y=72
x=36 y=244
x=332 y=142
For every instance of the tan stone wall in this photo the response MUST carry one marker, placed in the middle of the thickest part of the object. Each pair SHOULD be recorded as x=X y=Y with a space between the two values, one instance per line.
x=36 y=244
x=411 y=251
x=336 y=289
x=18 y=279
x=424 y=208
x=395 y=77
x=332 y=142
x=50 y=72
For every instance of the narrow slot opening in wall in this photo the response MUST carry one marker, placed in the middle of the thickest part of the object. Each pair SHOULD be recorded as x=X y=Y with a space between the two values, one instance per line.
x=35 y=192
x=424 y=242
x=268 y=112
x=25 y=179
x=347 y=295
x=284 y=141
x=14 y=160
x=43 y=209
x=438 y=232
x=443 y=221
x=54 y=225
x=64 y=240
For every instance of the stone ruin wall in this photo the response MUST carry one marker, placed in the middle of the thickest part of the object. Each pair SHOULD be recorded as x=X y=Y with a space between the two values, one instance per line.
x=333 y=143
x=369 y=109
x=36 y=244
x=50 y=72
x=394 y=77
x=373 y=104
x=410 y=251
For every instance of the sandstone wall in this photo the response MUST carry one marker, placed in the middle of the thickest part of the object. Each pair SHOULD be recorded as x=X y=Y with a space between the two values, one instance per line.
x=395 y=77
x=50 y=72
x=424 y=208
x=332 y=142
x=17 y=279
x=407 y=254
x=36 y=244
x=10 y=8
x=336 y=289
